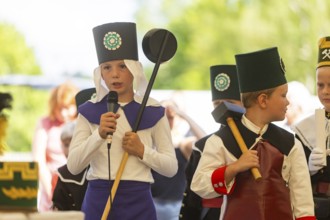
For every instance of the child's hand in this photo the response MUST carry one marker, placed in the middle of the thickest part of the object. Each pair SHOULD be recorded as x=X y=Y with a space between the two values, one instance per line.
x=108 y=123
x=133 y=145
x=247 y=160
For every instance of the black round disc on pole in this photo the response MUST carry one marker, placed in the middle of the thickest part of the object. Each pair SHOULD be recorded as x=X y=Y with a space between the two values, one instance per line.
x=159 y=45
x=152 y=45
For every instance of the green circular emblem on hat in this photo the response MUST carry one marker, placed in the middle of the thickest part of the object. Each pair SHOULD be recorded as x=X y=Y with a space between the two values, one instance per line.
x=222 y=82
x=112 y=40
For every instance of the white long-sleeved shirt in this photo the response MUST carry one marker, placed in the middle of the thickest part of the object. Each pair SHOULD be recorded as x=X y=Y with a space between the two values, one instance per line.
x=87 y=147
x=294 y=172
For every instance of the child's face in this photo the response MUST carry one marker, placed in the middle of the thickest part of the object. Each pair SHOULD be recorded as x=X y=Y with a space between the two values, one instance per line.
x=118 y=78
x=323 y=86
x=277 y=103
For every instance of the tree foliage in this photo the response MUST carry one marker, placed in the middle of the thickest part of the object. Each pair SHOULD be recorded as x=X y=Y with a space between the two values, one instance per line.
x=27 y=107
x=15 y=55
x=211 y=32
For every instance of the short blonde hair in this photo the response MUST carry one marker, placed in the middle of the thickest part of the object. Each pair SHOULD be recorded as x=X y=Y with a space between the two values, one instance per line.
x=249 y=98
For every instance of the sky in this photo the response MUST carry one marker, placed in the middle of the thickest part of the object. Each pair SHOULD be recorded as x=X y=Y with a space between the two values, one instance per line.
x=60 y=31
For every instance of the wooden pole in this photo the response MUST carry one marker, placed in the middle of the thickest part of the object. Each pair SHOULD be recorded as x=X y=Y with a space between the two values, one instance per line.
x=231 y=123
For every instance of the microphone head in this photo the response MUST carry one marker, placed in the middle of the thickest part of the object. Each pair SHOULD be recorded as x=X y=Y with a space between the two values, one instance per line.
x=112 y=97
x=112 y=101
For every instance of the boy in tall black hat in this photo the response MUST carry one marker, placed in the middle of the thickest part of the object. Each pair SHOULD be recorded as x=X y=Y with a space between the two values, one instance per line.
x=318 y=155
x=149 y=148
x=224 y=87
x=284 y=191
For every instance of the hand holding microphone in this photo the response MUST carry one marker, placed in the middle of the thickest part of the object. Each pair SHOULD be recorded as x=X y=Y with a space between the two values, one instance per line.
x=108 y=119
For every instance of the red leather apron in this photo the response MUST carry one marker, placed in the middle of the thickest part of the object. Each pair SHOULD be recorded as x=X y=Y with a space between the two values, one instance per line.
x=266 y=199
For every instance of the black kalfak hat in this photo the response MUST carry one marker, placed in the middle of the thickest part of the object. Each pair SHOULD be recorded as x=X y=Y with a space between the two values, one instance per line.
x=260 y=70
x=116 y=41
x=224 y=82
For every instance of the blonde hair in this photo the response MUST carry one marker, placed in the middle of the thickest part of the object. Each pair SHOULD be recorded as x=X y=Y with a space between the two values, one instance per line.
x=61 y=96
x=249 y=98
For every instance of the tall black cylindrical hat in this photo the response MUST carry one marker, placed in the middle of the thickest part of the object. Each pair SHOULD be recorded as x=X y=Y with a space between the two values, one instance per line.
x=260 y=70
x=116 y=41
x=224 y=82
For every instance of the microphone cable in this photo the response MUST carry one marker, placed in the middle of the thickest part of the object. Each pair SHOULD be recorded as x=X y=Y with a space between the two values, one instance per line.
x=109 y=139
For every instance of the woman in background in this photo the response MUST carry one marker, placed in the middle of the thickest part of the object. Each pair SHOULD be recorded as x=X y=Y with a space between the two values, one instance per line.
x=46 y=144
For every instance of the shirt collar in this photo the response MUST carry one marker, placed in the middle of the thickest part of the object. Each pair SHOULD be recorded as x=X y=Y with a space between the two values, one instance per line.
x=254 y=128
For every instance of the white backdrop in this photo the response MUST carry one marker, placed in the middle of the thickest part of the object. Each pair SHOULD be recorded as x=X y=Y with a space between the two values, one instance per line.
x=196 y=104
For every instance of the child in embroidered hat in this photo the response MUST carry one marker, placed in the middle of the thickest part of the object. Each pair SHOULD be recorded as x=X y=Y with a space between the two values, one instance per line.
x=149 y=148
x=284 y=191
x=306 y=132
x=224 y=87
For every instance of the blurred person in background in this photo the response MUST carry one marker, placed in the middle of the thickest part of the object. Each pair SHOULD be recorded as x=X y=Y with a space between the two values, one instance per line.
x=301 y=104
x=46 y=144
x=168 y=192
x=66 y=136
x=68 y=189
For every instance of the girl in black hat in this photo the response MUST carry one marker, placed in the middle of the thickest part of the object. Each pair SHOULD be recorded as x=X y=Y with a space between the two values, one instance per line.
x=149 y=148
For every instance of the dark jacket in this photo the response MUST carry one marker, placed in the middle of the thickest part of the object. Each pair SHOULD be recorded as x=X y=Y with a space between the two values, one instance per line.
x=70 y=190
x=192 y=208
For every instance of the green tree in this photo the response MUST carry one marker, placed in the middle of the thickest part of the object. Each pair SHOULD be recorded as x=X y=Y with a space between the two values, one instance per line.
x=27 y=107
x=15 y=55
x=211 y=32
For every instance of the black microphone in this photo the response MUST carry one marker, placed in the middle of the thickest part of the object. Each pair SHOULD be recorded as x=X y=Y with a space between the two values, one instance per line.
x=112 y=105
x=112 y=101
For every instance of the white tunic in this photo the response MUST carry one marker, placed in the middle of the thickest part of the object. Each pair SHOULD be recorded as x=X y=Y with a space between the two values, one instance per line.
x=87 y=147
